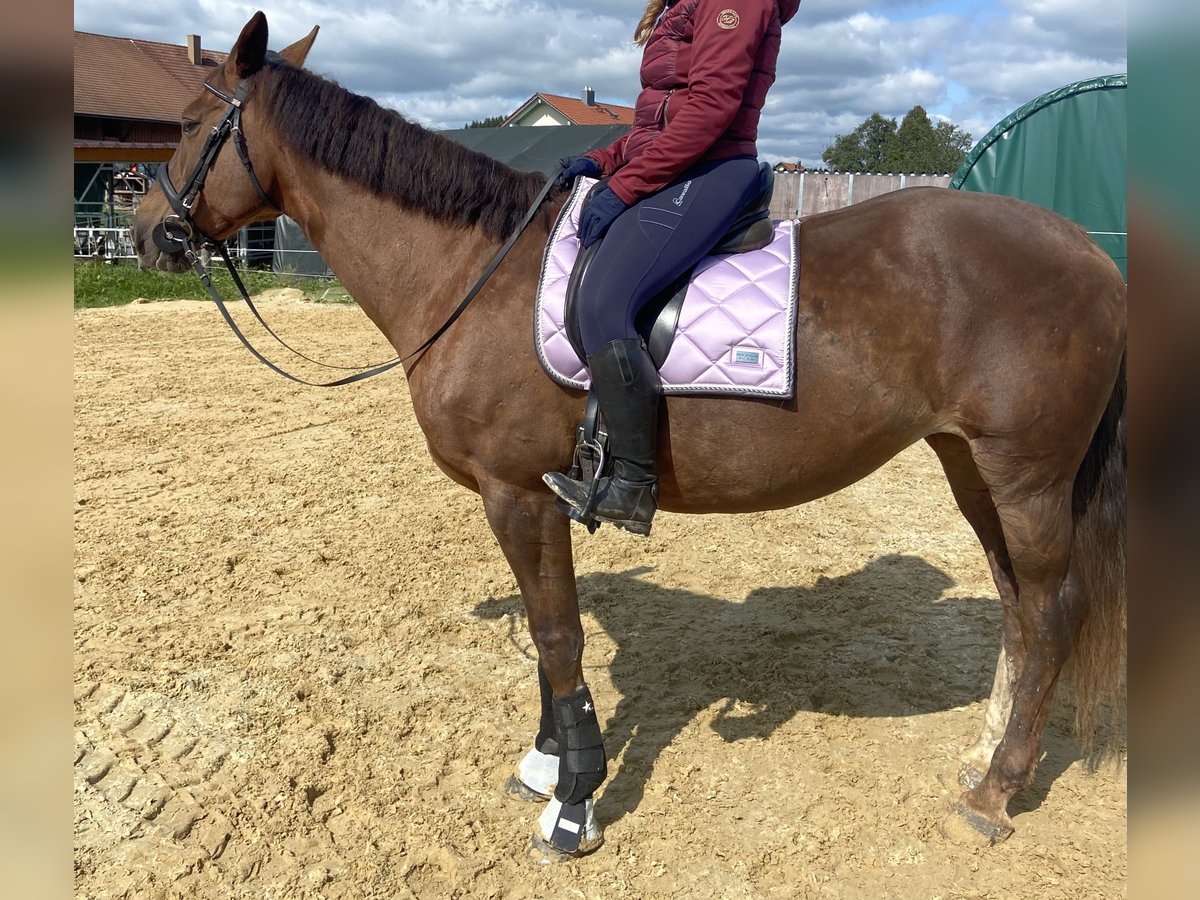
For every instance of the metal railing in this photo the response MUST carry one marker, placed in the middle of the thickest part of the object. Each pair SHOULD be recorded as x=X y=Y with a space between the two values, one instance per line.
x=103 y=243
x=249 y=251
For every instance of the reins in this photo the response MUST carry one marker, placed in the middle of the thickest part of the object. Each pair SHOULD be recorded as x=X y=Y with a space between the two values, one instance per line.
x=177 y=233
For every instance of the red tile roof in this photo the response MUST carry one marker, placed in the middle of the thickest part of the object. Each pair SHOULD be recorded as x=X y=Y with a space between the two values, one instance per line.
x=580 y=113
x=131 y=79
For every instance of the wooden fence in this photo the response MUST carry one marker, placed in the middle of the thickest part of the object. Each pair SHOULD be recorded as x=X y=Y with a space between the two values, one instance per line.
x=805 y=193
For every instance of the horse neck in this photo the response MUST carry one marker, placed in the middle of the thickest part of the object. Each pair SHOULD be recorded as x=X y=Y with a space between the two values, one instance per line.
x=405 y=269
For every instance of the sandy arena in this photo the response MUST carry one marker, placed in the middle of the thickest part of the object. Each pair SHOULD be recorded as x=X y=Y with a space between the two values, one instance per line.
x=302 y=668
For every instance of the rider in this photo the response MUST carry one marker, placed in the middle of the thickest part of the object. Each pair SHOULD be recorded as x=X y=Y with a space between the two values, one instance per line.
x=672 y=187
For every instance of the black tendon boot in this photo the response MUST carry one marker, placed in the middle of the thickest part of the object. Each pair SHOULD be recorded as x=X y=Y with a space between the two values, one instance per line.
x=627 y=387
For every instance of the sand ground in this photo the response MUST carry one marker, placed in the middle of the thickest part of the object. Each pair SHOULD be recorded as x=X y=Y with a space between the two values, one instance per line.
x=302 y=667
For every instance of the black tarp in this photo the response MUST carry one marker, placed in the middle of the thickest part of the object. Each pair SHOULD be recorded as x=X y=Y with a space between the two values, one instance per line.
x=536 y=148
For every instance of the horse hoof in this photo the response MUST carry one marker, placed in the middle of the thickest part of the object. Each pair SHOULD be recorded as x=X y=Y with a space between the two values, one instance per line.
x=519 y=790
x=969 y=827
x=543 y=853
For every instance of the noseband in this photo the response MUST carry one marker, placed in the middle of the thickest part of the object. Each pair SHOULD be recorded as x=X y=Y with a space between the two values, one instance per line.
x=176 y=233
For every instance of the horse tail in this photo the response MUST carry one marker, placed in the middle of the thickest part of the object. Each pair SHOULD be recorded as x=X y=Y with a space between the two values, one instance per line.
x=1098 y=560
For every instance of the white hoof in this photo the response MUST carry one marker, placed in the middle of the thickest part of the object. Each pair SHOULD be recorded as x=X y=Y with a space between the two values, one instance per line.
x=536 y=777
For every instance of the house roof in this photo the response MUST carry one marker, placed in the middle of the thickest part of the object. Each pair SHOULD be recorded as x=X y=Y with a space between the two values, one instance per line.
x=579 y=112
x=130 y=79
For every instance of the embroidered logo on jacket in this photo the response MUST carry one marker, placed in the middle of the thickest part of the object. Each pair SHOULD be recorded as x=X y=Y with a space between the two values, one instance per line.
x=727 y=19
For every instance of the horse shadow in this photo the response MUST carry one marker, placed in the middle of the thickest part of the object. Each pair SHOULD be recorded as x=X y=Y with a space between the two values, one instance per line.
x=879 y=642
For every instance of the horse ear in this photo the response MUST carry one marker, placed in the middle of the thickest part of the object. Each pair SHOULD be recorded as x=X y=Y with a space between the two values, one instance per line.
x=298 y=52
x=248 y=53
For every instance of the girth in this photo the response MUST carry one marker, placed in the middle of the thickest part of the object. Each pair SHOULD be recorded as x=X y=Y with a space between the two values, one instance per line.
x=658 y=319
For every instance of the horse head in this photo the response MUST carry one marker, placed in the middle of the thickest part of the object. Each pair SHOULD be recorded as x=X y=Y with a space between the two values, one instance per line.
x=224 y=172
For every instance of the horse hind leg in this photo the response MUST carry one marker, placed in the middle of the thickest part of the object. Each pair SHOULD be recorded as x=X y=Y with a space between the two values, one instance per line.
x=1038 y=529
x=977 y=758
x=975 y=503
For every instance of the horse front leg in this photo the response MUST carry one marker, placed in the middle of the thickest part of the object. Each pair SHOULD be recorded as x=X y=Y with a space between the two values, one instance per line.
x=567 y=763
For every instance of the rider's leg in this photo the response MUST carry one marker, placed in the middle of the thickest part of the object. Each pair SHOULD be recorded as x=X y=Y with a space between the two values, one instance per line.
x=647 y=247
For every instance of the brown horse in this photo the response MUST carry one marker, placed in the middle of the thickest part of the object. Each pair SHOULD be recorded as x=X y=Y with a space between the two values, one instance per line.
x=993 y=329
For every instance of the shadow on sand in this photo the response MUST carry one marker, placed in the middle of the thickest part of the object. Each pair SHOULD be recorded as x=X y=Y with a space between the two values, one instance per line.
x=880 y=642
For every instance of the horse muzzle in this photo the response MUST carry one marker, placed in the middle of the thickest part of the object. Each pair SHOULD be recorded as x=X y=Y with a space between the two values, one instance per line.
x=160 y=247
x=172 y=234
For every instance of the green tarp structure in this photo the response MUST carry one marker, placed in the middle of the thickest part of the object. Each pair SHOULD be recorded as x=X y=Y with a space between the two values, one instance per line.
x=533 y=148
x=1066 y=151
x=529 y=148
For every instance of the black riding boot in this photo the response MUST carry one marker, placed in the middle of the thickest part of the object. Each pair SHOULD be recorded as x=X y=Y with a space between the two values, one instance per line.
x=627 y=388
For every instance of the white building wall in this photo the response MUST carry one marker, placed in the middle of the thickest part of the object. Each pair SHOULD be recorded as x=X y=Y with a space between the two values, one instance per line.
x=541 y=114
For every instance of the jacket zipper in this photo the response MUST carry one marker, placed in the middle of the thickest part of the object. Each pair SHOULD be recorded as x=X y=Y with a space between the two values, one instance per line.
x=663 y=108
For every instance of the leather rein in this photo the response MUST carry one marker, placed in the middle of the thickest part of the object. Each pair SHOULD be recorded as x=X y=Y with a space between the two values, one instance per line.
x=179 y=233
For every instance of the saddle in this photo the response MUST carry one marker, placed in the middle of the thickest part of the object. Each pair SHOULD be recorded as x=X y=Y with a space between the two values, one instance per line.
x=659 y=319
x=744 y=348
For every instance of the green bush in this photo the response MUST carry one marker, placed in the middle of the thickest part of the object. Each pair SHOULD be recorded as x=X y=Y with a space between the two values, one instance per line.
x=99 y=284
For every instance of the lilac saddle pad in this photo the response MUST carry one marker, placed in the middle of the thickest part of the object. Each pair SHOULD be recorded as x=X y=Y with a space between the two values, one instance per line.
x=737 y=326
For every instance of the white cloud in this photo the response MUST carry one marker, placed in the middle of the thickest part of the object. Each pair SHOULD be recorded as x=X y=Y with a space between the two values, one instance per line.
x=446 y=62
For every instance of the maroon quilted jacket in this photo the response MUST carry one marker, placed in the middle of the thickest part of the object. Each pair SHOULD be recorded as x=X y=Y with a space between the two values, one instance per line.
x=705 y=74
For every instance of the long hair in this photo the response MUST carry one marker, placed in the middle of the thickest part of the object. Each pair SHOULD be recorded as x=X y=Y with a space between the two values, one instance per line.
x=1098 y=506
x=645 y=27
x=355 y=138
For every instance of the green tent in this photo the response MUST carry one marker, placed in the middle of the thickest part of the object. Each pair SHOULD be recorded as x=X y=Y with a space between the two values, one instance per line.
x=1064 y=150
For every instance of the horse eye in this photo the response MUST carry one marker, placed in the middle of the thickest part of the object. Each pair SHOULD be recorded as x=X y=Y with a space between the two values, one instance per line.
x=190 y=127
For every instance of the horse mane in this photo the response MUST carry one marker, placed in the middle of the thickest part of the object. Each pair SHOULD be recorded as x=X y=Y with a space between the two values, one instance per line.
x=357 y=139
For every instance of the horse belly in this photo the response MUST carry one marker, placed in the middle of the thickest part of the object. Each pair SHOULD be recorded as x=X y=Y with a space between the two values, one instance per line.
x=748 y=456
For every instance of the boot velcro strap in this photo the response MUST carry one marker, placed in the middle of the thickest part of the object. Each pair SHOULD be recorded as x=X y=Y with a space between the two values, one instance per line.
x=582 y=765
x=590 y=760
x=569 y=826
x=575 y=709
x=583 y=739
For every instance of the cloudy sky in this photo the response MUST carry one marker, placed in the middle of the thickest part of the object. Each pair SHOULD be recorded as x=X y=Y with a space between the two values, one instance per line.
x=444 y=63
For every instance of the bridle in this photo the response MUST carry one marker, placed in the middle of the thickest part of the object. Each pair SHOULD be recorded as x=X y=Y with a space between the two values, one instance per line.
x=178 y=233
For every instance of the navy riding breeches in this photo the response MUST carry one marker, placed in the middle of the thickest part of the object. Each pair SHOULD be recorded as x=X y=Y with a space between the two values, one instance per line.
x=657 y=239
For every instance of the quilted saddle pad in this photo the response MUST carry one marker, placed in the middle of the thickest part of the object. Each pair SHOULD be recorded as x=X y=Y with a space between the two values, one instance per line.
x=737 y=325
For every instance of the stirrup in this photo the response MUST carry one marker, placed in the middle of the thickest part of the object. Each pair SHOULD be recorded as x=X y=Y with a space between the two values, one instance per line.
x=597 y=450
x=585 y=503
x=589 y=507
x=573 y=508
x=575 y=515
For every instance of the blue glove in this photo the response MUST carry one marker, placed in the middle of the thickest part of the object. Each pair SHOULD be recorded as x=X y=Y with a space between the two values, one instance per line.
x=598 y=215
x=573 y=167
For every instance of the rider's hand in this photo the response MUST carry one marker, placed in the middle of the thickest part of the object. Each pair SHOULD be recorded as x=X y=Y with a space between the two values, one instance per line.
x=601 y=210
x=573 y=167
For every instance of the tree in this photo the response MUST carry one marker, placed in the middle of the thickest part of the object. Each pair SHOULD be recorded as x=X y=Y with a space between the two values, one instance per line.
x=917 y=145
x=489 y=122
x=954 y=143
x=913 y=149
x=863 y=149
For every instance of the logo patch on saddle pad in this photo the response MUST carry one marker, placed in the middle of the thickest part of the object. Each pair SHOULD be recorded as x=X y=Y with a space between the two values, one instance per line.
x=737 y=327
